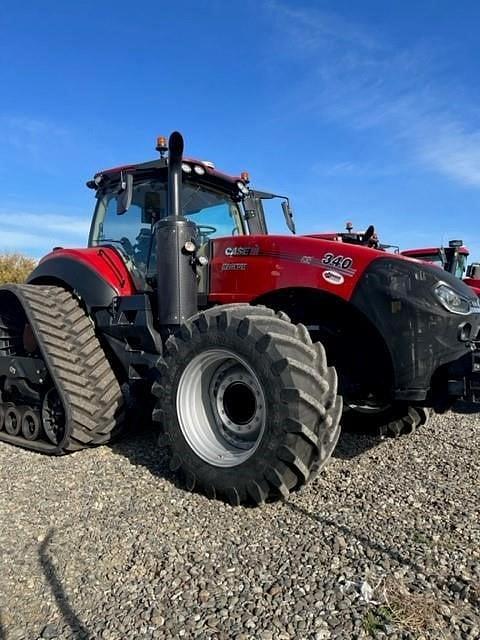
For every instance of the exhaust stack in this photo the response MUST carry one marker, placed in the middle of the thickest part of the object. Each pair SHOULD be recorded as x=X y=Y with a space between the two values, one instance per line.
x=175 y=152
x=176 y=276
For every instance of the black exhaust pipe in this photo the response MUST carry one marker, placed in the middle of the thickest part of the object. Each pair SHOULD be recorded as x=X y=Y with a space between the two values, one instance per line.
x=175 y=152
x=176 y=276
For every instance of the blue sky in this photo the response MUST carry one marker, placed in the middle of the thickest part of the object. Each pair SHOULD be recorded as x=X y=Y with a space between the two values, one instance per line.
x=365 y=111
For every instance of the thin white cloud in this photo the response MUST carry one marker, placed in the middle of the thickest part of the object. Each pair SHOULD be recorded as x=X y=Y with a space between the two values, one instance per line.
x=46 y=224
x=352 y=76
x=453 y=151
x=36 y=234
x=353 y=170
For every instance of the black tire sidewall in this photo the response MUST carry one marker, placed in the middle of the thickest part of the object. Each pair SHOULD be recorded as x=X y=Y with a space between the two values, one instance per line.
x=274 y=433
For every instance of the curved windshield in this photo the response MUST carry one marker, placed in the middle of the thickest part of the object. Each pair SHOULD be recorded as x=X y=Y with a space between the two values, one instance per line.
x=215 y=214
x=435 y=258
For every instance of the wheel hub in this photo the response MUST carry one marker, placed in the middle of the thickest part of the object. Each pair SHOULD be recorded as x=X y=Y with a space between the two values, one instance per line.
x=237 y=403
x=221 y=407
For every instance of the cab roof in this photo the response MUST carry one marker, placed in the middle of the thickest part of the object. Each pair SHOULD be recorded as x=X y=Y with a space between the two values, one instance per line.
x=431 y=251
x=162 y=163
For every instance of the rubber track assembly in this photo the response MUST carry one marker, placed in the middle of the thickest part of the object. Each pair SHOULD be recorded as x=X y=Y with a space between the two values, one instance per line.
x=78 y=371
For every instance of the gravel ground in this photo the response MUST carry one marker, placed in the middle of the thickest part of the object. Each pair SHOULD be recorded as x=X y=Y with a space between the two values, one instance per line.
x=386 y=543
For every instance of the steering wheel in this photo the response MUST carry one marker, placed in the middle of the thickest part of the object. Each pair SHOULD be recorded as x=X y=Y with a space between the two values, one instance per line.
x=205 y=230
x=127 y=245
x=371 y=238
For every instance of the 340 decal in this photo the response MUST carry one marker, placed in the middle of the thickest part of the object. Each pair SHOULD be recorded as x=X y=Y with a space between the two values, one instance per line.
x=340 y=262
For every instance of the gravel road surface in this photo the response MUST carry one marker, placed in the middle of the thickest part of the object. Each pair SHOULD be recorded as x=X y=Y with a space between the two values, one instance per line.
x=385 y=543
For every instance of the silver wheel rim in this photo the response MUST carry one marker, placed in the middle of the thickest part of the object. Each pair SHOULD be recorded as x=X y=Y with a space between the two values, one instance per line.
x=221 y=408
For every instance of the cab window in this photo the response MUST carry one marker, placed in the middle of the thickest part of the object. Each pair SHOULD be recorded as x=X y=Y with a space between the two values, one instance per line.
x=214 y=213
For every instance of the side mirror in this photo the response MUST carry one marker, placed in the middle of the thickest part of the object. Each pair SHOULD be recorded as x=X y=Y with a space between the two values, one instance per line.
x=124 y=198
x=288 y=213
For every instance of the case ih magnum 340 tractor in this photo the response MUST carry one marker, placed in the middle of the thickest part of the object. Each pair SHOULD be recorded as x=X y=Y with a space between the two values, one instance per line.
x=453 y=259
x=239 y=335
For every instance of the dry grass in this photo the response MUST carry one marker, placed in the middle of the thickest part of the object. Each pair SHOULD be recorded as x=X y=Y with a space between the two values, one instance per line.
x=416 y=612
x=14 y=267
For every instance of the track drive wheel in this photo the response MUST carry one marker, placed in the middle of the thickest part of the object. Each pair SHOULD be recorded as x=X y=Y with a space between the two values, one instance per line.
x=392 y=421
x=247 y=404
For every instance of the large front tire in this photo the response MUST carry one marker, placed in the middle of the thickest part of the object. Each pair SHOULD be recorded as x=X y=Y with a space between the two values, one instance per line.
x=247 y=404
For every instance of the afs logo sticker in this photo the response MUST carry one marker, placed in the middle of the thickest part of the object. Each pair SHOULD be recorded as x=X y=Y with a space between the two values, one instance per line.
x=333 y=277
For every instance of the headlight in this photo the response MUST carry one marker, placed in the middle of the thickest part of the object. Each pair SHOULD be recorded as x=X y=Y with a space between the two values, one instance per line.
x=200 y=171
x=451 y=300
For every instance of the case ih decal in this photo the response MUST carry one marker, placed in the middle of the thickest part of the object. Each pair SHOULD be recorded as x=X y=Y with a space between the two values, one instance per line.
x=242 y=251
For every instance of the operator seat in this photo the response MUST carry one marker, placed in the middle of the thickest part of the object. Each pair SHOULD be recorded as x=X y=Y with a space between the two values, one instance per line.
x=370 y=238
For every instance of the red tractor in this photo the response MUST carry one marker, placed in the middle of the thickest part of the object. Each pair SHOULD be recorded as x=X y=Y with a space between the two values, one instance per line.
x=452 y=259
x=238 y=335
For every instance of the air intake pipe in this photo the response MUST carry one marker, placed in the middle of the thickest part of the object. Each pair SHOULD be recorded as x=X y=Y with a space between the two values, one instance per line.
x=176 y=277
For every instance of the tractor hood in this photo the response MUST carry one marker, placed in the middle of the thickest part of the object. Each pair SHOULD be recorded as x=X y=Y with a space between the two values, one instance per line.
x=243 y=267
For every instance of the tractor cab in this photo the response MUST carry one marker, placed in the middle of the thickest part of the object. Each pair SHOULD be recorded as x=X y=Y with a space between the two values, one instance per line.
x=452 y=258
x=131 y=199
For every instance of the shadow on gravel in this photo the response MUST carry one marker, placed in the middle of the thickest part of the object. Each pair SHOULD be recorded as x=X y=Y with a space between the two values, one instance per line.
x=3 y=635
x=79 y=631
x=351 y=444
x=348 y=531
x=450 y=582
x=142 y=449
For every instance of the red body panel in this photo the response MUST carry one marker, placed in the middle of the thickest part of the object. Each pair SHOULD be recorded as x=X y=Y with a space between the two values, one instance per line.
x=243 y=268
x=474 y=283
x=105 y=261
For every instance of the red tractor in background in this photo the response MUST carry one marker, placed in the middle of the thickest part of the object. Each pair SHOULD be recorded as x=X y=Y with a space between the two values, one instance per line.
x=247 y=341
x=452 y=259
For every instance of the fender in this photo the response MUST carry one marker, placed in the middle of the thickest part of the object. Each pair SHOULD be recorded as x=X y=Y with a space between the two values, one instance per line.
x=97 y=274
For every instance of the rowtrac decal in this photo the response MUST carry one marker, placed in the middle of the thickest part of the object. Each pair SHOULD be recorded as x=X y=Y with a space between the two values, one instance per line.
x=330 y=262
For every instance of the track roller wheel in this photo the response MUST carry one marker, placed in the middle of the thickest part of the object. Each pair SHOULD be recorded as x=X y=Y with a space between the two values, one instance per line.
x=2 y=416
x=13 y=420
x=247 y=403
x=31 y=425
